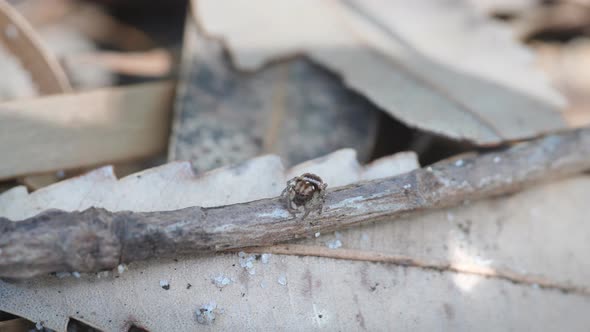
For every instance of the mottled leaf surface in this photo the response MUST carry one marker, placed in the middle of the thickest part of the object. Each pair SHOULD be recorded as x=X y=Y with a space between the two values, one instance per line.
x=461 y=75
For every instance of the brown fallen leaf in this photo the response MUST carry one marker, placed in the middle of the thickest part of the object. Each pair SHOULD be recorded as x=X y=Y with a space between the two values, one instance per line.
x=32 y=69
x=118 y=124
x=461 y=75
x=562 y=18
x=568 y=66
x=156 y=62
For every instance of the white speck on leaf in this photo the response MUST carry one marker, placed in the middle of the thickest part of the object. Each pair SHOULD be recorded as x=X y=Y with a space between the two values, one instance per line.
x=282 y=280
x=206 y=313
x=221 y=281
x=165 y=284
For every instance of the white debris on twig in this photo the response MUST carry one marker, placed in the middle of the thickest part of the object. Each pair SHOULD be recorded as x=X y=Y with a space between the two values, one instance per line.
x=206 y=313
x=459 y=163
x=282 y=280
x=407 y=186
x=317 y=234
x=336 y=243
x=165 y=284
x=221 y=281
x=76 y=274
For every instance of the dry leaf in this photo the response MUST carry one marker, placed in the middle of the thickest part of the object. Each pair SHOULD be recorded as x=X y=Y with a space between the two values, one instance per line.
x=168 y=187
x=461 y=75
x=30 y=68
x=568 y=66
x=294 y=109
x=562 y=18
x=295 y=293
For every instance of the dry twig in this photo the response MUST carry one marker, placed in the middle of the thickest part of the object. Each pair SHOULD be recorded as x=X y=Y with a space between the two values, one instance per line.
x=96 y=239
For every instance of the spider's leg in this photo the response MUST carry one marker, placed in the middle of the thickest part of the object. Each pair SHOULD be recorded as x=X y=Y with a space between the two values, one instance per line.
x=307 y=211
x=292 y=210
x=285 y=191
x=290 y=185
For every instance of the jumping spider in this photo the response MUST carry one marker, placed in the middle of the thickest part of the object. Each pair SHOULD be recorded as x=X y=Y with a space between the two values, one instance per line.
x=307 y=191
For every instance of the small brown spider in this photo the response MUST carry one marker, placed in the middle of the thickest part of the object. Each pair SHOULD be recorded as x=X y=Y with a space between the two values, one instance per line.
x=307 y=191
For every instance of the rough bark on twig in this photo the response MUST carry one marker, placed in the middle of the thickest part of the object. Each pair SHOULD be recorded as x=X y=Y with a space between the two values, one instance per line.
x=96 y=239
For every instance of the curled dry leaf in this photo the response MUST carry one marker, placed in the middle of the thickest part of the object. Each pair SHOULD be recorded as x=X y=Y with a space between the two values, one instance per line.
x=31 y=69
x=461 y=75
